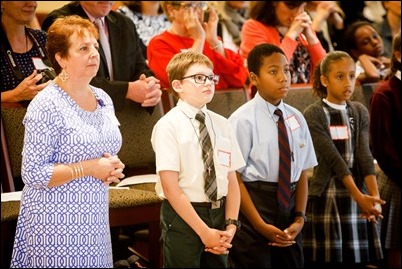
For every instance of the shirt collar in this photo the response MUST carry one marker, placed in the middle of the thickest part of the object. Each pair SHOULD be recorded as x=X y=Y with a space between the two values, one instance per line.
x=92 y=18
x=267 y=106
x=189 y=110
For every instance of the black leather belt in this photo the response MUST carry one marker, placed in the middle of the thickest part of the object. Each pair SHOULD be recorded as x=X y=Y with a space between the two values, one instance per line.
x=212 y=205
x=268 y=186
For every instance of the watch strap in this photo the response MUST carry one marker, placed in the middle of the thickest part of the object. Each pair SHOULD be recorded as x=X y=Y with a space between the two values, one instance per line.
x=235 y=222
x=301 y=214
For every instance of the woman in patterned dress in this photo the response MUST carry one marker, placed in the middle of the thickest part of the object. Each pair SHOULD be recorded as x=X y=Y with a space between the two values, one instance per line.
x=69 y=158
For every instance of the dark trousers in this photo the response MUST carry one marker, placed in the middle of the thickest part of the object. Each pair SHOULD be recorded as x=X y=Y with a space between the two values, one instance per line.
x=250 y=249
x=182 y=247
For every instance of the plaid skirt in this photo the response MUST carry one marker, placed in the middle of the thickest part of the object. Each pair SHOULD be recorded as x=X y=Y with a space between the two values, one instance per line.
x=335 y=233
x=391 y=224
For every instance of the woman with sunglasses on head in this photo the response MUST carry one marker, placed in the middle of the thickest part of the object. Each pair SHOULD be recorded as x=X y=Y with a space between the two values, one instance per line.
x=189 y=32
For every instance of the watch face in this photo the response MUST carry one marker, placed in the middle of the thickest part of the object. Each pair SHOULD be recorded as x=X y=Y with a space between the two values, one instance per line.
x=301 y=214
x=237 y=223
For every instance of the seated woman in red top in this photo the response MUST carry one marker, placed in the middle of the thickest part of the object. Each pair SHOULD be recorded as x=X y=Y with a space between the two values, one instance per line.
x=189 y=32
x=287 y=25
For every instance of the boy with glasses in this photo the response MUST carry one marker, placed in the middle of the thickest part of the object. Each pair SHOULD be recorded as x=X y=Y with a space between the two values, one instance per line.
x=196 y=158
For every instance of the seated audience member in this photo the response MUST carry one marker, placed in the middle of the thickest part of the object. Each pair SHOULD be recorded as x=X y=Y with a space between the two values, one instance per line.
x=365 y=45
x=327 y=22
x=148 y=18
x=287 y=25
x=189 y=32
x=390 y=24
x=232 y=15
x=20 y=77
x=125 y=75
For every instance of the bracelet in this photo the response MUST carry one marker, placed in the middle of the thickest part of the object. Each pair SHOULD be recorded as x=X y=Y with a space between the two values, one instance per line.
x=77 y=171
x=72 y=172
x=81 y=170
x=217 y=45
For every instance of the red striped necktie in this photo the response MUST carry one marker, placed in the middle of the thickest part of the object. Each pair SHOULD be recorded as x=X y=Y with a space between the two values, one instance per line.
x=283 y=192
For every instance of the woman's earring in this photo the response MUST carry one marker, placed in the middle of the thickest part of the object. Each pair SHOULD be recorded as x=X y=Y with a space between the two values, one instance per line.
x=64 y=75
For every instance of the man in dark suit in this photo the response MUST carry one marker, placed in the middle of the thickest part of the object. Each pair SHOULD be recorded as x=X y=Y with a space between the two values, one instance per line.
x=132 y=78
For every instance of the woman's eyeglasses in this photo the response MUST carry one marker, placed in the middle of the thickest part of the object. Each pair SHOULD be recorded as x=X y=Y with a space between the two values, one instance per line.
x=201 y=79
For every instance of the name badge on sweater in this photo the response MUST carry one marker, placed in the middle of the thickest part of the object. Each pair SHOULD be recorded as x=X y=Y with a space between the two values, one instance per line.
x=339 y=132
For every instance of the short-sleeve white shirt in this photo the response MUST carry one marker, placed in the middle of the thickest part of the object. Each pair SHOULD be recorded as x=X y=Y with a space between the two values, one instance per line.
x=175 y=140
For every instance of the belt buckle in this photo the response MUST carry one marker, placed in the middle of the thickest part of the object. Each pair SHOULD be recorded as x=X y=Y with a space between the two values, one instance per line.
x=218 y=203
x=215 y=205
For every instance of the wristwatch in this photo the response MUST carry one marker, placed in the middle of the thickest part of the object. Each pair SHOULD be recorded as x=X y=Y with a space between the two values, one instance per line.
x=301 y=214
x=236 y=222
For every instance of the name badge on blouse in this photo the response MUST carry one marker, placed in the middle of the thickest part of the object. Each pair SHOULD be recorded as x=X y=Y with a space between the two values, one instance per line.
x=339 y=132
x=292 y=122
x=224 y=158
x=113 y=118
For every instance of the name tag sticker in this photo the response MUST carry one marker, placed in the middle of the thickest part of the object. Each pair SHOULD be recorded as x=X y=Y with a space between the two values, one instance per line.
x=113 y=118
x=339 y=132
x=39 y=64
x=224 y=158
x=292 y=122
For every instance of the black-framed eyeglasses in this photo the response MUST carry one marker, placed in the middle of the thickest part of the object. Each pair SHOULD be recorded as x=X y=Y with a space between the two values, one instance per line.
x=186 y=5
x=201 y=79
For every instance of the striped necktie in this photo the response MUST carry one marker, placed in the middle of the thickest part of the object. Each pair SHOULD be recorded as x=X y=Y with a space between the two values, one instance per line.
x=105 y=46
x=283 y=192
x=208 y=158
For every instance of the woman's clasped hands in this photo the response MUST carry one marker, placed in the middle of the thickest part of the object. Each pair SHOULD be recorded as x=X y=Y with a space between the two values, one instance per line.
x=110 y=169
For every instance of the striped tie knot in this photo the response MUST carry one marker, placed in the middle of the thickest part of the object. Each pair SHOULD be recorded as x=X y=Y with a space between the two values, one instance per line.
x=200 y=116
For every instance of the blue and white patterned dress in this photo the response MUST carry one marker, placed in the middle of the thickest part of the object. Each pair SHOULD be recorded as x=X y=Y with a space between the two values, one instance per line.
x=65 y=226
